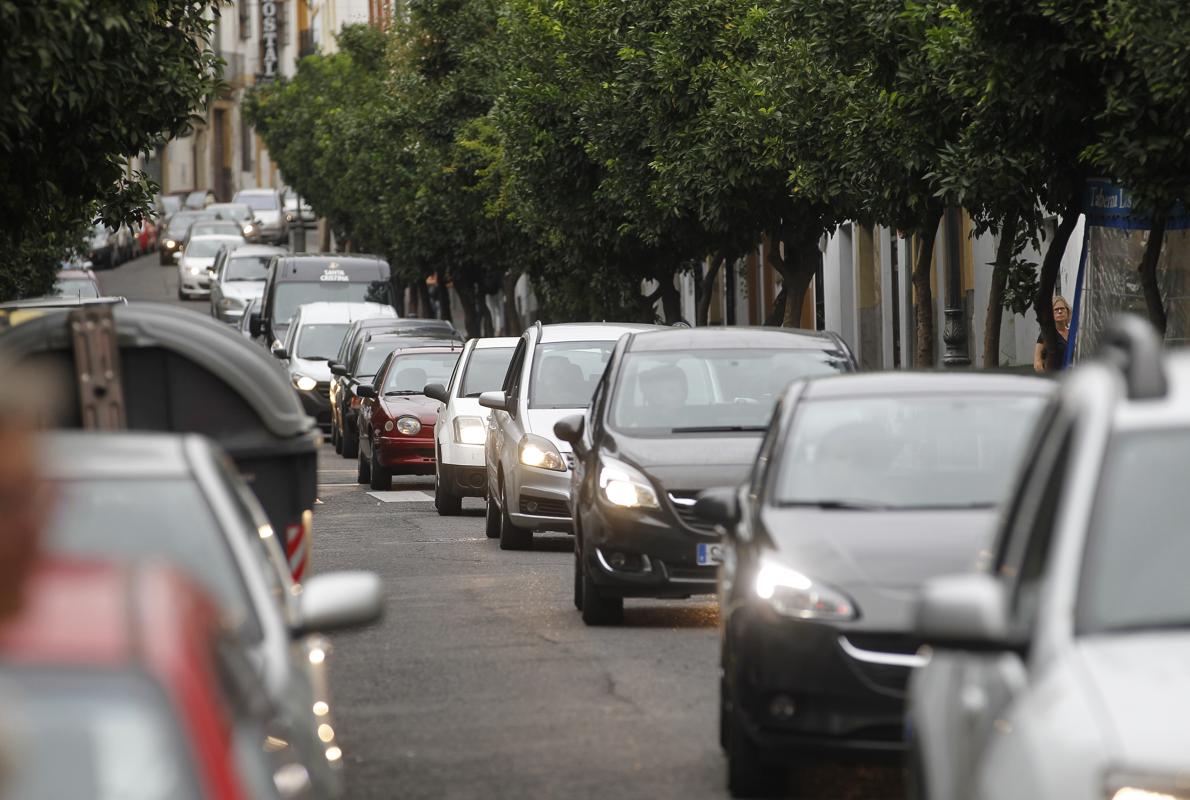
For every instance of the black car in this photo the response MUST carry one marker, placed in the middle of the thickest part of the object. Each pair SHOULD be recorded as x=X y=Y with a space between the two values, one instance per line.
x=177 y=233
x=864 y=487
x=675 y=412
x=366 y=355
x=296 y=280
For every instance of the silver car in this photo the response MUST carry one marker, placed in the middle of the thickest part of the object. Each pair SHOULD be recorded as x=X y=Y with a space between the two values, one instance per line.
x=1060 y=670
x=268 y=208
x=237 y=278
x=553 y=373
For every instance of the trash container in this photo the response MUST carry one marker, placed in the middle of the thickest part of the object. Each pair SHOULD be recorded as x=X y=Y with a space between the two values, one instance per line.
x=183 y=371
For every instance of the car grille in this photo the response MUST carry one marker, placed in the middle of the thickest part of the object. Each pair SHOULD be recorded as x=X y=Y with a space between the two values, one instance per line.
x=683 y=506
x=324 y=390
x=545 y=508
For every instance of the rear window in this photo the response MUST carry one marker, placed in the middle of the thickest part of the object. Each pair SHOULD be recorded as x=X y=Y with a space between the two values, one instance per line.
x=565 y=373
x=291 y=294
x=259 y=202
x=485 y=371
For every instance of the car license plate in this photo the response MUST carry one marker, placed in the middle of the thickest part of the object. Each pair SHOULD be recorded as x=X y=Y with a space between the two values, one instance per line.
x=710 y=554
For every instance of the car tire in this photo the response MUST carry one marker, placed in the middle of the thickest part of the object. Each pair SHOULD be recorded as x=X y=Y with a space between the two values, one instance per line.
x=181 y=294
x=381 y=478
x=747 y=774
x=336 y=437
x=446 y=502
x=363 y=472
x=512 y=536
x=578 y=578
x=491 y=523
x=598 y=609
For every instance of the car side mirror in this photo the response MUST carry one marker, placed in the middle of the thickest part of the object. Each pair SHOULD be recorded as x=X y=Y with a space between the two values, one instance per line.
x=436 y=391
x=719 y=506
x=494 y=400
x=337 y=600
x=570 y=428
x=365 y=390
x=280 y=353
x=964 y=612
x=337 y=368
x=255 y=327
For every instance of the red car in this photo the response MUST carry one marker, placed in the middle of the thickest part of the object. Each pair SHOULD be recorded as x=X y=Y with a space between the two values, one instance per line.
x=396 y=419
x=121 y=682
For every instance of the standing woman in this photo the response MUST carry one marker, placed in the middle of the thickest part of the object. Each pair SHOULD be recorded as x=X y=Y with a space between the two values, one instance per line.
x=1062 y=323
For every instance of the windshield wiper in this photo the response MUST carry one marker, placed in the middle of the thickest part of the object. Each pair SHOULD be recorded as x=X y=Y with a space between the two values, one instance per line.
x=720 y=429
x=835 y=505
x=314 y=358
x=392 y=392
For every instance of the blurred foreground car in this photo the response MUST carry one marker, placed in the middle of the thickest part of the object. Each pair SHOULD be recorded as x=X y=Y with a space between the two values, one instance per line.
x=396 y=419
x=461 y=430
x=111 y=490
x=194 y=263
x=676 y=412
x=126 y=687
x=237 y=278
x=15 y=312
x=1061 y=670
x=552 y=375
x=864 y=487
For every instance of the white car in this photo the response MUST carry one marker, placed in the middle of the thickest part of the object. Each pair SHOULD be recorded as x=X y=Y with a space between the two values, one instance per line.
x=268 y=208
x=238 y=277
x=459 y=435
x=1060 y=671
x=312 y=340
x=195 y=261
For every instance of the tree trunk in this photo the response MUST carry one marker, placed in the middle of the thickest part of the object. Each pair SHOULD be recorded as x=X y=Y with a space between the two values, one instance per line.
x=671 y=301
x=923 y=294
x=468 y=297
x=1000 y=270
x=706 y=288
x=425 y=307
x=796 y=268
x=1043 y=303
x=512 y=319
x=776 y=316
x=1148 y=275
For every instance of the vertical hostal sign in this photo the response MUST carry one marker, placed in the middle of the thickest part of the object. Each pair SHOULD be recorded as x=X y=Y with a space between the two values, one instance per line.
x=268 y=39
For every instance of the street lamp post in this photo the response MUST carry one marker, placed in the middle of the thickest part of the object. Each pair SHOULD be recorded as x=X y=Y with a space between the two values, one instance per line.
x=954 y=331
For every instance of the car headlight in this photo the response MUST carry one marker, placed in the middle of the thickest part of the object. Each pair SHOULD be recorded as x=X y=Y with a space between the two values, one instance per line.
x=470 y=430
x=249 y=228
x=305 y=383
x=170 y=244
x=1131 y=786
x=625 y=486
x=540 y=452
x=792 y=594
x=407 y=425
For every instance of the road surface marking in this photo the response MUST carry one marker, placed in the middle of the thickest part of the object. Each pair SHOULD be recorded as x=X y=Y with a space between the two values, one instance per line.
x=402 y=497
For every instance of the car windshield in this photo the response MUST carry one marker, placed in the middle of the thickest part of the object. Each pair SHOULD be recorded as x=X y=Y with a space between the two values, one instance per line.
x=75 y=287
x=247 y=268
x=905 y=452
x=216 y=227
x=121 y=519
x=409 y=374
x=231 y=210
x=204 y=248
x=179 y=224
x=102 y=734
x=259 y=202
x=565 y=373
x=372 y=357
x=170 y=204
x=485 y=370
x=1134 y=568
x=320 y=342
x=702 y=391
x=291 y=294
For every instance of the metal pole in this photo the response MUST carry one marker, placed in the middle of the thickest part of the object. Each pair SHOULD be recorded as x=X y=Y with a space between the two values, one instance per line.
x=954 y=331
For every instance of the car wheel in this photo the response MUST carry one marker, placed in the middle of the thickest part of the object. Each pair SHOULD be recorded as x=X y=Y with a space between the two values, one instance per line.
x=747 y=774
x=597 y=609
x=363 y=472
x=181 y=294
x=512 y=536
x=336 y=437
x=350 y=442
x=382 y=479
x=491 y=523
x=578 y=578
x=447 y=502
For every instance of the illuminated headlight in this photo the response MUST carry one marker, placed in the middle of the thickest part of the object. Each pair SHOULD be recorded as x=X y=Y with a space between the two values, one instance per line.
x=170 y=244
x=1147 y=787
x=193 y=269
x=248 y=229
x=408 y=425
x=624 y=486
x=792 y=594
x=305 y=383
x=470 y=430
x=537 y=451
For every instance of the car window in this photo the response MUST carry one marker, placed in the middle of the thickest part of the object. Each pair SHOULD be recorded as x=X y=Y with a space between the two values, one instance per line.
x=371 y=357
x=409 y=374
x=564 y=374
x=485 y=370
x=247 y=268
x=460 y=365
x=291 y=294
x=75 y=287
x=258 y=202
x=121 y=519
x=512 y=378
x=204 y=248
x=320 y=341
x=764 y=456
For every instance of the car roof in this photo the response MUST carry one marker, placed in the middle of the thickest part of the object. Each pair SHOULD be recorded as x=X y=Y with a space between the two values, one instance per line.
x=76 y=274
x=261 y=190
x=412 y=351
x=307 y=266
x=414 y=341
x=492 y=342
x=76 y=454
x=324 y=311
x=590 y=331
x=732 y=338
x=898 y=382
x=247 y=250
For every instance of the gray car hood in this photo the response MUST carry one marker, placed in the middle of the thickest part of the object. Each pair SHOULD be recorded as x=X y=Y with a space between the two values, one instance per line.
x=687 y=463
x=243 y=290
x=318 y=370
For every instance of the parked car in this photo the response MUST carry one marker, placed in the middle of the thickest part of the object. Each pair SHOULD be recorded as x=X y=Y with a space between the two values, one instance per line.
x=553 y=373
x=459 y=436
x=396 y=419
x=864 y=487
x=302 y=214
x=101 y=248
x=79 y=283
x=198 y=199
x=311 y=340
x=111 y=490
x=333 y=278
x=120 y=681
x=240 y=213
x=357 y=362
x=237 y=277
x=267 y=206
x=253 y=307
x=1057 y=670
x=176 y=233
x=676 y=412
x=195 y=261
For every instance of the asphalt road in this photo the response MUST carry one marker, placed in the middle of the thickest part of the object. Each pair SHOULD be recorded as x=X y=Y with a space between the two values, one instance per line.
x=482 y=681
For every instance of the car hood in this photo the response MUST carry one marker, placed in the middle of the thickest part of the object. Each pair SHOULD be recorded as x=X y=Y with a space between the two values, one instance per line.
x=880 y=558
x=412 y=405
x=243 y=290
x=267 y=217
x=1140 y=683
x=196 y=261
x=690 y=463
x=541 y=422
x=318 y=370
